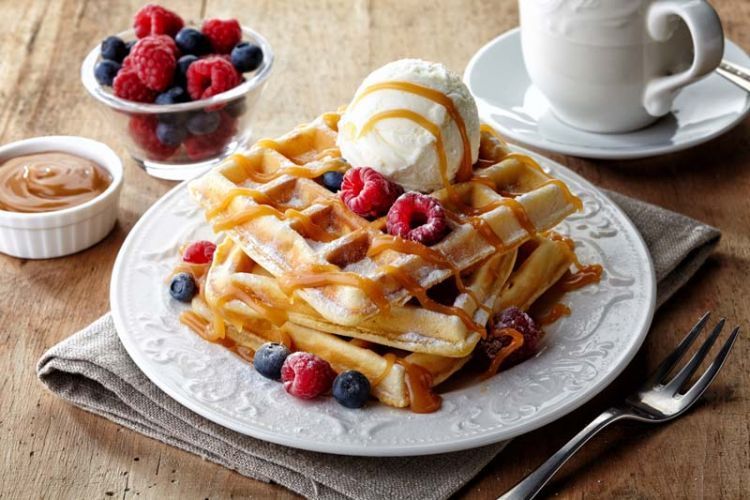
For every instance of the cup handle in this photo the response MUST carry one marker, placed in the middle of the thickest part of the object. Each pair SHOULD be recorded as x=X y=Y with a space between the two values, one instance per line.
x=708 y=43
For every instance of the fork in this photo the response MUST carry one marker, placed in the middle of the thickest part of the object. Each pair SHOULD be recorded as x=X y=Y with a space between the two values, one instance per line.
x=658 y=400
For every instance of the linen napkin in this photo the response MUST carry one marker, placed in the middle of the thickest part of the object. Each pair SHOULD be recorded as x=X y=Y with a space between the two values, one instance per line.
x=92 y=370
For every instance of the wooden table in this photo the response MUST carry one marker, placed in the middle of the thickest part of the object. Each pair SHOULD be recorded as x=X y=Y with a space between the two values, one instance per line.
x=50 y=449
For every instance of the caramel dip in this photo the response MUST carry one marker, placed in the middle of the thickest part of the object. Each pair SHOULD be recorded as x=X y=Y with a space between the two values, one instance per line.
x=45 y=182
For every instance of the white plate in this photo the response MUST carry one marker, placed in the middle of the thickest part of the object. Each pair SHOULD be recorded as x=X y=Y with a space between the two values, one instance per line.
x=507 y=100
x=582 y=353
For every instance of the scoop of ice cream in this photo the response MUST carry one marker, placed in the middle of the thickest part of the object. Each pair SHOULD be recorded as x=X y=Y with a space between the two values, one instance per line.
x=393 y=130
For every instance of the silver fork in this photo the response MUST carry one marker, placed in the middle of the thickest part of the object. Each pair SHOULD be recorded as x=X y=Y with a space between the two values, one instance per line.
x=658 y=400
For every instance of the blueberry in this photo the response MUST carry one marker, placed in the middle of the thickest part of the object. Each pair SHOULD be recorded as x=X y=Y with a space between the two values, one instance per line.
x=246 y=57
x=170 y=134
x=114 y=49
x=174 y=95
x=192 y=41
x=106 y=71
x=351 y=389
x=183 y=287
x=183 y=63
x=203 y=123
x=332 y=180
x=269 y=358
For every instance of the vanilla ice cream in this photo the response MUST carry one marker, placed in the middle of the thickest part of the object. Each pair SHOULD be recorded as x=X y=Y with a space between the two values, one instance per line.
x=401 y=145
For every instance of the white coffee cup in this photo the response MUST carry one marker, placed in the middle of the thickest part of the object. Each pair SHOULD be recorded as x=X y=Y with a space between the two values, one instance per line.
x=616 y=65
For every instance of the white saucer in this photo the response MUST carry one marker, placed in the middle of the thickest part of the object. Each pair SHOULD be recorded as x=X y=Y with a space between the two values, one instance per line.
x=507 y=100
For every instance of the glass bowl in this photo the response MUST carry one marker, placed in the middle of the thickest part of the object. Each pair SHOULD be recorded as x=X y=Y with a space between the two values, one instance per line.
x=213 y=128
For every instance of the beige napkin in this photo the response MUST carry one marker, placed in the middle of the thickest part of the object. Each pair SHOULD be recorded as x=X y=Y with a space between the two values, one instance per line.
x=92 y=370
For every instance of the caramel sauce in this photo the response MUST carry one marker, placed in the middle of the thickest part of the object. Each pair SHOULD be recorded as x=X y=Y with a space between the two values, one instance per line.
x=46 y=182
x=556 y=312
x=331 y=120
x=569 y=197
x=303 y=172
x=465 y=170
x=275 y=315
x=585 y=275
x=419 y=385
x=420 y=293
x=324 y=275
x=516 y=342
x=489 y=130
x=244 y=216
x=257 y=197
x=311 y=229
x=383 y=242
x=481 y=226
x=198 y=324
x=361 y=343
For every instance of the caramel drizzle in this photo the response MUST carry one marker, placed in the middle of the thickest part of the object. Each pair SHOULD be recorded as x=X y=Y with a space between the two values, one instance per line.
x=489 y=130
x=418 y=383
x=324 y=275
x=465 y=170
x=311 y=229
x=586 y=274
x=556 y=312
x=335 y=164
x=415 y=289
x=385 y=242
x=516 y=342
x=528 y=161
x=275 y=315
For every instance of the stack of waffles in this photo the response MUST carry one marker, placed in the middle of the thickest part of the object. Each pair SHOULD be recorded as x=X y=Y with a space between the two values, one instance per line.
x=295 y=265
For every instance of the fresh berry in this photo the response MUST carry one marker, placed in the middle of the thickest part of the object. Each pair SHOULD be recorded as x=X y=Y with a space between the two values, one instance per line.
x=306 y=375
x=142 y=129
x=223 y=34
x=183 y=287
x=129 y=46
x=351 y=389
x=236 y=108
x=269 y=358
x=154 y=61
x=518 y=320
x=368 y=193
x=192 y=41
x=332 y=180
x=183 y=63
x=106 y=71
x=169 y=42
x=114 y=49
x=200 y=147
x=175 y=95
x=199 y=252
x=170 y=134
x=210 y=76
x=128 y=86
x=128 y=64
x=155 y=20
x=417 y=217
x=203 y=123
x=246 y=57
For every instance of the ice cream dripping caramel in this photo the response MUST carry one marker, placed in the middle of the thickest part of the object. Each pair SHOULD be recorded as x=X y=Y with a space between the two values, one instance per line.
x=46 y=182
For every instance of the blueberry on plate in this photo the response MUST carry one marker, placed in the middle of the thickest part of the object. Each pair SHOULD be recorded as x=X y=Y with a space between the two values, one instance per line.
x=246 y=57
x=183 y=287
x=175 y=95
x=269 y=358
x=170 y=134
x=183 y=63
x=192 y=41
x=203 y=123
x=105 y=72
x=332 y=180
x=114 y=49
x=351 y=389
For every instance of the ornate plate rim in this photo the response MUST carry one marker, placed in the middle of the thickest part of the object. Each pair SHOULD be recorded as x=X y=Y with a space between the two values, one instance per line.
x=495 y=435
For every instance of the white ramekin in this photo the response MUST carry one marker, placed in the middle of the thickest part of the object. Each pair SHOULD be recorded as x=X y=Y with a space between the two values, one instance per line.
x=62 y=232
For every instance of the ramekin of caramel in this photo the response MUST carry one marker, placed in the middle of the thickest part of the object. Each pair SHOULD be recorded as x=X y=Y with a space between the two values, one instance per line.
x=58 y=195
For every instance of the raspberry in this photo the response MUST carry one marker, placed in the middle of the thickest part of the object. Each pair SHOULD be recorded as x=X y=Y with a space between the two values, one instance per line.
x=199 y=147
x=417 y=217
x=128 y=86
x=199 y=252
x=142 y=130
x=169 y=42
x=367 y=193
x=306 y=375
x=154 y=62
x=223 y=34
x=515 y=318
x=156 y=20
x=210 y=76
x=128 y=63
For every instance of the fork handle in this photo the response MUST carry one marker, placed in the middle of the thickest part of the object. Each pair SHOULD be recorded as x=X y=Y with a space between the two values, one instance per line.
x=530 y=486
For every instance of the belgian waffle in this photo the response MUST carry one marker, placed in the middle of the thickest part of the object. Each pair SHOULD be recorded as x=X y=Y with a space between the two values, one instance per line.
x=544 y=262
x=268 y=202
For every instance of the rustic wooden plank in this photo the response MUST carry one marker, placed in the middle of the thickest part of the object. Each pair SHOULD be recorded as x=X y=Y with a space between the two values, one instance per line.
x=324 y=49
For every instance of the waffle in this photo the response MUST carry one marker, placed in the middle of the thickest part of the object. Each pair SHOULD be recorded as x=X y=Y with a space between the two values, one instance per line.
x=237 y=286
x=268 y=202
x=544 y=262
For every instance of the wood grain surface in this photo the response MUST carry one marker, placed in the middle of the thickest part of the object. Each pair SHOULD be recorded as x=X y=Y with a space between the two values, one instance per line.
x=49 y=449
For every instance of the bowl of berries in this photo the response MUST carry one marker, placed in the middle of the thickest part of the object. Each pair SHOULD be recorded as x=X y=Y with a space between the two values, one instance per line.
x=181 y=95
